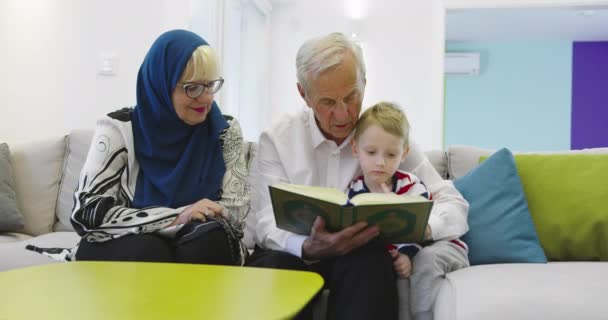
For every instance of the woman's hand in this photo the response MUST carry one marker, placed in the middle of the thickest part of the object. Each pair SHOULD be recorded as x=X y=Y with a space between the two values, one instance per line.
x=199 y=211
x=402 y=264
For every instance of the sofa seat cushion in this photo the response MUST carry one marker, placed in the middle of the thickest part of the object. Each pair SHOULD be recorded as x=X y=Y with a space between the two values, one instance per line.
x=557 y=290
x=13 y=237
x=14 y=255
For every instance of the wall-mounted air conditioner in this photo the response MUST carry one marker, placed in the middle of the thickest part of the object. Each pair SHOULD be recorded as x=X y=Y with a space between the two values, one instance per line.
x=466 y=63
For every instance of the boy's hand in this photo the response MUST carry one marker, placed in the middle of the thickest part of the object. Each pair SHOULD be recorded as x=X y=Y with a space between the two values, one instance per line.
x=402 y=264
x=385 y=188
x=428 y=233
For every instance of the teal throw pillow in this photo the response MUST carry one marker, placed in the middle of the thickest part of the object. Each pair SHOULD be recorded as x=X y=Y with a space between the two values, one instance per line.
x=501 y=229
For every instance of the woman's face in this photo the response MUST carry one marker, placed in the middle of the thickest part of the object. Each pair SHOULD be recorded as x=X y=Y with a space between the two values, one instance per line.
x=192 y=111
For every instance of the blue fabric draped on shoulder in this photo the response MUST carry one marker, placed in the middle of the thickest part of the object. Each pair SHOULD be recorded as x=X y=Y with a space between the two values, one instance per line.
x=179 y=164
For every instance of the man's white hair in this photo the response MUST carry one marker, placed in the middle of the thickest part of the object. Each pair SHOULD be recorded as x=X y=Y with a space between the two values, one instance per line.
x=319 y=54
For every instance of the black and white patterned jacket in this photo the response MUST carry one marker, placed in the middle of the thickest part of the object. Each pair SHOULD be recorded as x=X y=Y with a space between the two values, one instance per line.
x=102 y=201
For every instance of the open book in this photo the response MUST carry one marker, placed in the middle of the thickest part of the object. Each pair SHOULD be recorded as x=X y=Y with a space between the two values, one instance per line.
x=401 y=218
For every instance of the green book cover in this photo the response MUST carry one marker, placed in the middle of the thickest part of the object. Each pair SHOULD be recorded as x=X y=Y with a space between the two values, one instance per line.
x=401 y=218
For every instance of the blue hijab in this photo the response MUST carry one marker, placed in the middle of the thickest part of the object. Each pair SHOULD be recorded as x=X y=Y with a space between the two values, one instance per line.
x=179 y=164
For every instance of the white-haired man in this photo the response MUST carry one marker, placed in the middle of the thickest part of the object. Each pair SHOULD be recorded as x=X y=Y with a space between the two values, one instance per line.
x=312 y=148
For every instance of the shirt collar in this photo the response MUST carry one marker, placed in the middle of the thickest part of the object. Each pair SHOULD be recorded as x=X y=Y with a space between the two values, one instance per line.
x=317 y=136
x=366 y=188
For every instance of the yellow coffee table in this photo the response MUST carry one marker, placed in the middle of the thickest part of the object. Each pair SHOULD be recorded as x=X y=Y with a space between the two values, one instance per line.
x=139 y=290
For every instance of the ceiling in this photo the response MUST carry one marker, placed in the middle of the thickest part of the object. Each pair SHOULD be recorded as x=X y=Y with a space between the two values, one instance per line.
x=524 y=24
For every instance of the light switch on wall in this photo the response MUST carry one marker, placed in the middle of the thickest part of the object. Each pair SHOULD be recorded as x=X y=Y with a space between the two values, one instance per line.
x=108 y=64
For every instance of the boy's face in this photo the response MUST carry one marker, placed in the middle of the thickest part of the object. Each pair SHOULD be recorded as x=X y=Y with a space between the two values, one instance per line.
x=379 y=154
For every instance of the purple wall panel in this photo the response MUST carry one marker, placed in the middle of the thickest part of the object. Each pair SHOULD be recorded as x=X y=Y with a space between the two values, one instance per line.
x=589 y=95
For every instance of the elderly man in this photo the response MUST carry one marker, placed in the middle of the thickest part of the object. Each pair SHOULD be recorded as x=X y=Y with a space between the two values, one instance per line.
x=312 y=148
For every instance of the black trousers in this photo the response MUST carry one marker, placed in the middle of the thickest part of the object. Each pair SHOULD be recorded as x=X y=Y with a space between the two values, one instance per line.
x=209 y=247
x=362 y=283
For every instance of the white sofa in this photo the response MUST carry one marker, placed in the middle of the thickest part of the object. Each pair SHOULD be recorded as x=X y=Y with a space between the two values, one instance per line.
x=38 y=169
x=46 y=174
x=555 y=290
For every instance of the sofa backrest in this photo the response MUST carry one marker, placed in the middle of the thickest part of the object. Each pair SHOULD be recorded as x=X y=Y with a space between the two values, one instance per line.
x=439 y=160
x=77 y=145
x=47 y=172
x=462 y=158
x=564 y=194
x=77 y=148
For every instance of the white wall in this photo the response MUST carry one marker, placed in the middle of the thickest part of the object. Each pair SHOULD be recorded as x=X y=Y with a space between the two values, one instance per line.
x=50 y=55
x=402 y=42
x=254 y=72
x=454 y=4
x=245 y=63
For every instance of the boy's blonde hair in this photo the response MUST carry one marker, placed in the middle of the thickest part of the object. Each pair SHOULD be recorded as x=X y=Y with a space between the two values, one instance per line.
x=389 y=117
x=203 y=65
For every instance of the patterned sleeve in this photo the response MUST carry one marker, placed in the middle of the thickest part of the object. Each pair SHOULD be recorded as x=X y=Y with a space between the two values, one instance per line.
x=235 y=189
x=102 y=201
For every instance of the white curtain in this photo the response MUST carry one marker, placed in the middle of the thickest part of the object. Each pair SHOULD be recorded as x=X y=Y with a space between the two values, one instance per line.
x=240 y=31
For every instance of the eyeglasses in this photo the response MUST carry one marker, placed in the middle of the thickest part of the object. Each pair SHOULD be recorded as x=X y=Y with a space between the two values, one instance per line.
x=194 y=90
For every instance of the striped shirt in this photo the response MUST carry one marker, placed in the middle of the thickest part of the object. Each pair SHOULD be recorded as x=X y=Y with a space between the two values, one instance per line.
x=404 y=183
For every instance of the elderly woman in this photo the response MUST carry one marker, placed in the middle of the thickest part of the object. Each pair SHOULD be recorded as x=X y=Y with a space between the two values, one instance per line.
x=165 y=180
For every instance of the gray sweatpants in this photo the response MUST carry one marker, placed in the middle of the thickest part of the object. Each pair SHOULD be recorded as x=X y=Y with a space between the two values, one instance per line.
x=430 y=265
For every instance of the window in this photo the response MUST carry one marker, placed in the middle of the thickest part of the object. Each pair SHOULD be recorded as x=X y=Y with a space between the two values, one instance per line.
x=240 y=31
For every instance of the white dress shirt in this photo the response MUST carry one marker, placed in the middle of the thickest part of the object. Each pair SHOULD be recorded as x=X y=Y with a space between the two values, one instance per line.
x=295 y=151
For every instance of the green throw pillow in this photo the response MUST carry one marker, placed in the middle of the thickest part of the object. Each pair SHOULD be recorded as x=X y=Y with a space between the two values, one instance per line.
x=568 y=201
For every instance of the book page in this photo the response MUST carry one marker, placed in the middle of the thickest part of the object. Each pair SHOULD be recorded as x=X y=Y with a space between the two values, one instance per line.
x=327 y=194
x=385 y=198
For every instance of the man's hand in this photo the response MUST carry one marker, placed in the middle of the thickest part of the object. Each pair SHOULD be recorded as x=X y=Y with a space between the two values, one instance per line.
x=322 y=244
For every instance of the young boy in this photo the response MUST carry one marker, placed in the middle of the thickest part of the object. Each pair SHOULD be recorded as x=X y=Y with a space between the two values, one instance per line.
x=381 y=145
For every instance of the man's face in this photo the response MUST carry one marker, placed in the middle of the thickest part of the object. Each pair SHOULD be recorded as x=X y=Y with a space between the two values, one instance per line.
x=335 y=97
